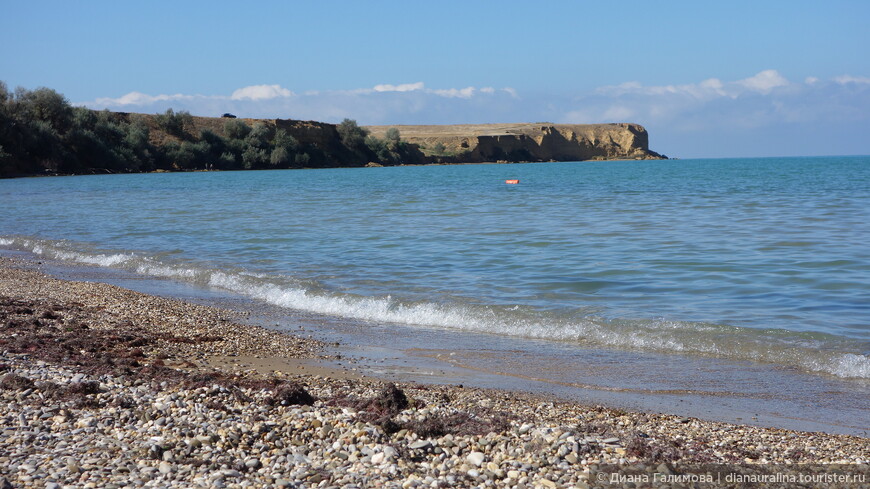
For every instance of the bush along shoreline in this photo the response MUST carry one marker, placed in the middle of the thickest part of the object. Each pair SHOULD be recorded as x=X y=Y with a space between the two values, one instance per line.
x=41 y=133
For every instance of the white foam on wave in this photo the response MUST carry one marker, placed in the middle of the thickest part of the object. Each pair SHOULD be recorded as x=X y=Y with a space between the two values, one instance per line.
x=646 y=335
x=848 y=365
x=165 y=271
x=660 y=336
x=102 y=260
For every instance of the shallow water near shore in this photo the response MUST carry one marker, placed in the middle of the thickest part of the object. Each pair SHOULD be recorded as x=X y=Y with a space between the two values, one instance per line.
x=739 y=287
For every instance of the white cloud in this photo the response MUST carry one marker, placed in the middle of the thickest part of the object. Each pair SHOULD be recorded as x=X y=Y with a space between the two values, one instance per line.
x=384 y=103
x=466 y=92
x=138 y=98
x=764 y=81
x=710 y=115
x=847 y=79
x=261 y=92
x=406 y=87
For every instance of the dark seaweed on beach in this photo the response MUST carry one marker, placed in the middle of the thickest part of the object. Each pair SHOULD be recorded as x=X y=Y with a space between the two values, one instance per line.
x=460 y=423
x=60 y=334
x=15 y=382
x=291 y=393
x=383 y=408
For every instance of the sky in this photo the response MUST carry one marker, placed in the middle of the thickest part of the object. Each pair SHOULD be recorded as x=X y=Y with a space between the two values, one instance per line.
x=707 y=79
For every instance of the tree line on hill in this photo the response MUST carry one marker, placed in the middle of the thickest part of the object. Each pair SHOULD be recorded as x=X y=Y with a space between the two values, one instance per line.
x=42 y=133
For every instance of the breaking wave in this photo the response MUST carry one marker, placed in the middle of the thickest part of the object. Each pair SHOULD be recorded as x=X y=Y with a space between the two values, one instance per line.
x=813 y=352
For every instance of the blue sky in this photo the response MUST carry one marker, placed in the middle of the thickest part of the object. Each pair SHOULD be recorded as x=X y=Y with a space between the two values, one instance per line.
x=707 y=79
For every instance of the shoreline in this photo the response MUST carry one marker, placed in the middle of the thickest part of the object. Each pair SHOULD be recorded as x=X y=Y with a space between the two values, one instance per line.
x=474 y=435
x=689 y=387
x=435 y=163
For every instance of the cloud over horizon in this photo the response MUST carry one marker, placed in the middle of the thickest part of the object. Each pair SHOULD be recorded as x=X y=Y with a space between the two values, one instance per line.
x=379 y=104
x=710 y=112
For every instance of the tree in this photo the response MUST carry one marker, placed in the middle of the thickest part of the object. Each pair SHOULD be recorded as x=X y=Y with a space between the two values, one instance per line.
x=44 y=104
x=174 y=123
x=286 y=141
x=392 y=135
x=302 y=159
x=351 y=134
x=280 y=157
x=227 y=161
x=259 y=136
x=5 y=95
x=254 y=157
x=236 y=129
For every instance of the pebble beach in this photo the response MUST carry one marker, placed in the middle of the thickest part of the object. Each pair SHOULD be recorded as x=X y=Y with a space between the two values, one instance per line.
x=103 y=387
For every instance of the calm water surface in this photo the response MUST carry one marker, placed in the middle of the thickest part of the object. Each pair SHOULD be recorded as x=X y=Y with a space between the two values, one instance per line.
x=758 y=260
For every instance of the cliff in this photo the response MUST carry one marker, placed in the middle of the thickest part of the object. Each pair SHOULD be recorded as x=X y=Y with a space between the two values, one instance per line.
x=75 y=140
x=527 y=142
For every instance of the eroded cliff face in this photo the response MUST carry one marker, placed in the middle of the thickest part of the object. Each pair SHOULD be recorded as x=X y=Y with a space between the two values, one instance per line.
x=467 y=143
x=529 y=142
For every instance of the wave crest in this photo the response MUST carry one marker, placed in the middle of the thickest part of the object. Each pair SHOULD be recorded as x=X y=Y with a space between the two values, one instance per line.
x=519 y=321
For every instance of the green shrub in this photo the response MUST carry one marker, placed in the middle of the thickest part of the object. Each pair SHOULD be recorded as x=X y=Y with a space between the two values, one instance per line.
x=236 y=129
x=302 y=159
x=392 y=135
x=351 y=134
x=280 y=157
x=259 y=136
x=254 y=157
x=286 y=141
x=227 y=161
x=174 y=123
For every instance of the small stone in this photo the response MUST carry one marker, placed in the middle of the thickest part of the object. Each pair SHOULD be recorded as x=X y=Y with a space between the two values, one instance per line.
x=610 y=441
x=389 y=453
x=475 y=458
x=420 y=445
x=548 y=483
x=165 y=467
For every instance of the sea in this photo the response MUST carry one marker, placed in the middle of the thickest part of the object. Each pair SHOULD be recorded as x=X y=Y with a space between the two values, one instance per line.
x=730 y=289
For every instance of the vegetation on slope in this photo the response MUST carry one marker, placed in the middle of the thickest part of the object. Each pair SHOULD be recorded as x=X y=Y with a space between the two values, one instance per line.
x=42 y=133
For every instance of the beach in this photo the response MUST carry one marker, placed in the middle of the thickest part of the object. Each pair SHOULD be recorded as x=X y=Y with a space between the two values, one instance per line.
x=107 y=387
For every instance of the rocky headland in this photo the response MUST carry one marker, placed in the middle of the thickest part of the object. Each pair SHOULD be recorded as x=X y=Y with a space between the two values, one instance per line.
x=527 y=141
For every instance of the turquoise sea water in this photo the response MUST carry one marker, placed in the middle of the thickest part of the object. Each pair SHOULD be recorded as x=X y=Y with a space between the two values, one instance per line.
x=759 y=260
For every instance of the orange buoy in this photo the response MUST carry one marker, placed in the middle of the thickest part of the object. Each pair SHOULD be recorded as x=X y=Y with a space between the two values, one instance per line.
x=512 y=181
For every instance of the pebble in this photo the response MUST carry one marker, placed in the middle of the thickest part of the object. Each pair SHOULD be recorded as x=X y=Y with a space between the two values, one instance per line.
x=475 y=458
x=420 y=445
